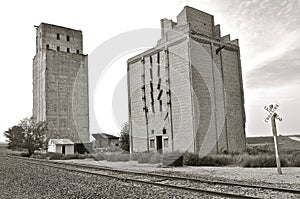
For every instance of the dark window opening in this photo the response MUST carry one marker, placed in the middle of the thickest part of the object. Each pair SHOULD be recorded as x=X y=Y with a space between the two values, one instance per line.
x=158 y=57
x=57 y=36
x=158 y=70
x=68 y=38
x=159 y=144
x=47 y=47
x=58 y=48
x=145 y=109
x=159 y=82
x=63 y=150
x=166 y=116
x=160 y=105
x=159 y=95
x=152 y=98
x=68 y=50
x=77 y=51
x=151 y=73
x=164 y=131
x=150 y=60
x=151 y=86
x=152 y=106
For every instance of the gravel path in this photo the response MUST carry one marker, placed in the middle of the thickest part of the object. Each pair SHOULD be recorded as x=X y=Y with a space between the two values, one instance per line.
x=23 y=180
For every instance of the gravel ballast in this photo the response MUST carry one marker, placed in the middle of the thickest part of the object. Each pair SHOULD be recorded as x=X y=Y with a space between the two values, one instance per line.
x=19 y=179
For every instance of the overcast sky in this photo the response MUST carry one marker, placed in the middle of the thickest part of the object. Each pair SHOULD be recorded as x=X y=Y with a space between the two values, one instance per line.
x=268 y=31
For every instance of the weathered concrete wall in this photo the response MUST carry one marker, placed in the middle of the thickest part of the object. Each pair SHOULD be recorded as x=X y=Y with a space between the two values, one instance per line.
x=60 y=83
x=205 y=103
x=137 y=120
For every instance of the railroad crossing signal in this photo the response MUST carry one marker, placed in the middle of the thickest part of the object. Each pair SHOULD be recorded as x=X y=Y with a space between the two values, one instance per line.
x=273 y=116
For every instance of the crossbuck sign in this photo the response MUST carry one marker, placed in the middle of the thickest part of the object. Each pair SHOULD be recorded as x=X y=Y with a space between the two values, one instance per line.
x=271 y=110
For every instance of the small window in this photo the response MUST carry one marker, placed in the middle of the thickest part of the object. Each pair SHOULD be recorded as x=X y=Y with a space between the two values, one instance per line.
x=166 y=142
x=158 y=70
x=58 y=48
x=164 y=131
x=158 y=84
x=152 y=97
x=77 y=51
x=158 y=57
x=151 y=143
x=57 y=36
x=68 y=50
x=152 y=131
x=47 y=47
x=68 y=38
x=152 y=106
x=150 y=60
x=160 y=105
x=160 y=94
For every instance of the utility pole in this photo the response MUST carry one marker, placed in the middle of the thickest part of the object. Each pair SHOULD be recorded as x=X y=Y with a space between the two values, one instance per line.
x=273 y=115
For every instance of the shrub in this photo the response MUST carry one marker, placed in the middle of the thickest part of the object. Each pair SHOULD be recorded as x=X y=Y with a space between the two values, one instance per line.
x=25 y=155
x=55 y=156
x=84 y=156
x=117 y=157
x=217 y=160
x=99 y=156
x=39 y=155
x=260 y=149
x=146 y=157
x=190 y=159
x=296 y=159
x=69 y=156
x=261 y=161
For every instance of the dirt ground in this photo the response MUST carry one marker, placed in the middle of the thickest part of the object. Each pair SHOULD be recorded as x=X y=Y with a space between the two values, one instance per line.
x=291 y=175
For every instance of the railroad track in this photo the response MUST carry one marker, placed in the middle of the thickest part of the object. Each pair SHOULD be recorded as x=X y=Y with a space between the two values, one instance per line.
x=209 y=187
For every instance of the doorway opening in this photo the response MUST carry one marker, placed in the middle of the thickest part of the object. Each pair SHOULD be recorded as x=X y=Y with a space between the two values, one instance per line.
x=63 y=150
x=159 y=144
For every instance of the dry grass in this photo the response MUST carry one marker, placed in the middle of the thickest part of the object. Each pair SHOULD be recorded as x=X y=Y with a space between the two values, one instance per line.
x=243 y=160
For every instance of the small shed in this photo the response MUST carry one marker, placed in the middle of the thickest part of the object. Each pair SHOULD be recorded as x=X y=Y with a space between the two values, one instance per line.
x=104 y=140
x=64 y=146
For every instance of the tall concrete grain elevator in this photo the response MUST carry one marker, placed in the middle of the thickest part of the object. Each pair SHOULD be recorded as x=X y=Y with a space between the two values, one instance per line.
x=186 y=93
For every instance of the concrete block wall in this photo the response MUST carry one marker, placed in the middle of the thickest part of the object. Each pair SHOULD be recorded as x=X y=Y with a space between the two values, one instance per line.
x=235 y=113
x=138 y=127
x=204 y=76
x=199 y=21
x=60 y=83
x=182 y=116
x=48 y=35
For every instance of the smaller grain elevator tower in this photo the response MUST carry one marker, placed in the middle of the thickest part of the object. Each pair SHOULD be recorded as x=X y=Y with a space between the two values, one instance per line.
x=60 y=84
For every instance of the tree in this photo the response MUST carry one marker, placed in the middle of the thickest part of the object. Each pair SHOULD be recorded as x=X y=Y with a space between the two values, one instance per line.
x=29 y=135
x=124 y=137
x=34 y=134
x=15 y=137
